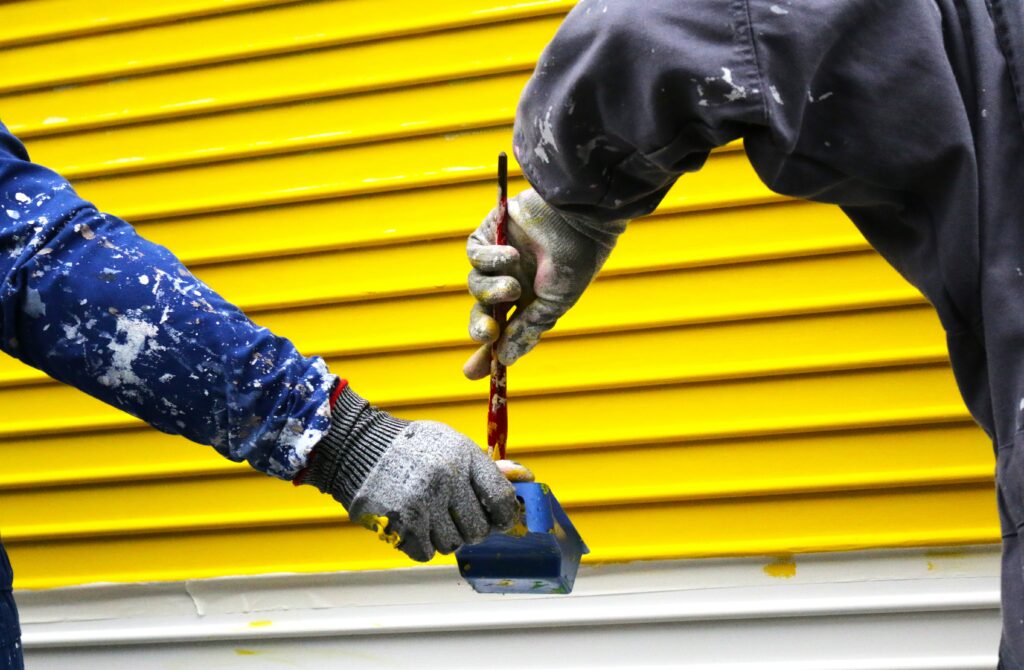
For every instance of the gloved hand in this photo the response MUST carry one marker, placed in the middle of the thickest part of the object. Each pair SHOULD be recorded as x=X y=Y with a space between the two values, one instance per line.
x=421 y=485
x=550 y=260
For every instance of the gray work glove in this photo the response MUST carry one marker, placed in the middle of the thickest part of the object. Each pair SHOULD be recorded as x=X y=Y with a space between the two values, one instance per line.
x=550 y=260
x=421 y=485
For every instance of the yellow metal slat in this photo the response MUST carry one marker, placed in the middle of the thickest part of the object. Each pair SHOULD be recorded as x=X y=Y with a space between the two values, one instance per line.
x=643 y=358
x=674 y=241
x=892 y=453
x=282 y=28
x=365 y=168
x=268 y=130
x=728 y=230
x=538 y=414
x=811 y=343
x=780 y=465
x=666 y=355
x=129 y=454
x=691 y=468
x=768 y=405
x=794 y=524
x=858 y=281
x=389 y=217
x=30 y=21
x=308 y=280
x=613 y=303
x=742 y=526
x=452 y=210
x=680 y=473
x=345 y=69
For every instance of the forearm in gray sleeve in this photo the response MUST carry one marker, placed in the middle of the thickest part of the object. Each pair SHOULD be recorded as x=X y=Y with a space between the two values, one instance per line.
x=630 y=95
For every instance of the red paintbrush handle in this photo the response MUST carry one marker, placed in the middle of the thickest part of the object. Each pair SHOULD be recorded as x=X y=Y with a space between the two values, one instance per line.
x=497 y=408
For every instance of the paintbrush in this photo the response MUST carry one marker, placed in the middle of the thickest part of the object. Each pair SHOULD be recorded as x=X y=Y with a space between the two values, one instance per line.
x=497 y=408
x=542 y=553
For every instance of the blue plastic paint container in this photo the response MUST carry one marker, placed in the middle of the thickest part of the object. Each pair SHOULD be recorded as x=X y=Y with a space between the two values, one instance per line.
x=540 y=556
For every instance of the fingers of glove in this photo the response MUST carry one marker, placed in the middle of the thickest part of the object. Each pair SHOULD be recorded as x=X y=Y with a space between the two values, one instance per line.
x=526 y=327
x=415 y=539
x=514 y=472
x=482 y=326
x=486 y=235
x=468 y=515
x=495 y=493
x=478 y=365
x=493 y=258
x=401 y=529
x=490 y=290
x=444 y=534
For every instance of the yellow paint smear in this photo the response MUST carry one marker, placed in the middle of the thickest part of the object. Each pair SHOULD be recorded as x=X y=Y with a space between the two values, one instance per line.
x=379 y=525
x=946 y=559
x=518 y=530
x=783 y=568
x=245 y=652
x=391 y=537
x=260 y=624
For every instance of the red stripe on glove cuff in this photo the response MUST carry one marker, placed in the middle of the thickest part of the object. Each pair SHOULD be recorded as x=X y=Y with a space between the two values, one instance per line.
x=335 y=394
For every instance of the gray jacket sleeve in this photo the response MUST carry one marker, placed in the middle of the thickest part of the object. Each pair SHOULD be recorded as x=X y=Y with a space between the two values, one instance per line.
x=902 y=113
x=629 y=95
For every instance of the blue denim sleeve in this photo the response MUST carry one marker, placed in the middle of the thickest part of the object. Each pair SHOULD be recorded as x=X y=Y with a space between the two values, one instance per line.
x=88 y=301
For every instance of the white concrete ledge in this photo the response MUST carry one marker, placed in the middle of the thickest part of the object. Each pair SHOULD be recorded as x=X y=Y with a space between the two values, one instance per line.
x=898 y=610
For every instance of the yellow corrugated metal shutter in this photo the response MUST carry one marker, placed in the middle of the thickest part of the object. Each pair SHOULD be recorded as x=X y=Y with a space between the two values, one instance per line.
x=746 y=377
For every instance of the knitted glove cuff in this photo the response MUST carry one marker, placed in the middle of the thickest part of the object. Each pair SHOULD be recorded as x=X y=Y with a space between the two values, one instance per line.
x=532 y=206
x=359 y=435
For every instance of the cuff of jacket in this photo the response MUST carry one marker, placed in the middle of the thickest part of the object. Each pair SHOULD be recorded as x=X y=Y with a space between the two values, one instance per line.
x=359 y=435
x=532 y=206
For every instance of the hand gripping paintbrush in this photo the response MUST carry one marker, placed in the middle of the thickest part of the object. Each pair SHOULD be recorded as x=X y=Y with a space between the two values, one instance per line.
x=541 y=554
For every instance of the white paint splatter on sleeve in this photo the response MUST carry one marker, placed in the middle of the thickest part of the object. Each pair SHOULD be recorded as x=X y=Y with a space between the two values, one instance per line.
x=34 y=306
x=738 y=92
x=547 y=138
x=127 y=344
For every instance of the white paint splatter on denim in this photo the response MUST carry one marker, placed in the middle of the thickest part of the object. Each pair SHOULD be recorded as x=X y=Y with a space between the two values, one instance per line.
x=87 y=300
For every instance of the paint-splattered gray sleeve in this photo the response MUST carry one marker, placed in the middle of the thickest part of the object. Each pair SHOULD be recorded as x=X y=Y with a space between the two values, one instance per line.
x=630 y=95
x=87 y=300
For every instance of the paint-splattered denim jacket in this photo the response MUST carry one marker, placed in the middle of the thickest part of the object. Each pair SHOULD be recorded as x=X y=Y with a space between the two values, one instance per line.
x=88 y=301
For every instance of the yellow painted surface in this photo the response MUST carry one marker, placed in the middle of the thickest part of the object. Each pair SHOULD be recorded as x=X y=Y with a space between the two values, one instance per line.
x=746 y=375
x=43 y=20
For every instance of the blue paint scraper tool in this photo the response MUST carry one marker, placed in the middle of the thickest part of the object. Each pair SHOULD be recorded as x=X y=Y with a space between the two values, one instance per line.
x=542 y=553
